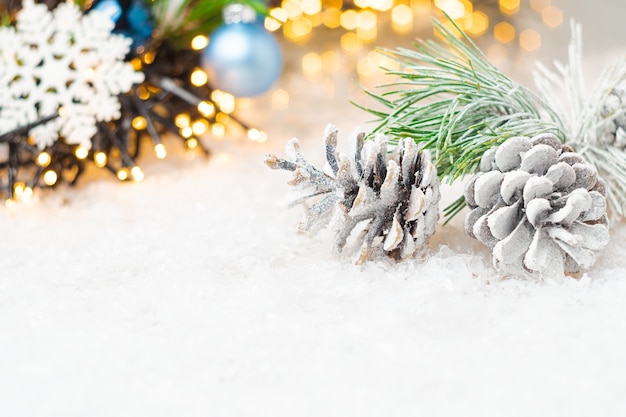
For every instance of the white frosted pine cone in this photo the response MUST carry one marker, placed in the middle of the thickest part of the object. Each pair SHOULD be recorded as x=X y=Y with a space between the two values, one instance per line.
x=614 y=113
x=394 y=196
x=540 y=207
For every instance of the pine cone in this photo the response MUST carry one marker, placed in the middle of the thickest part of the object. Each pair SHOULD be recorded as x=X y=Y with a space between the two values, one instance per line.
x=539 y=206
x=614 y=110
x=395 y=195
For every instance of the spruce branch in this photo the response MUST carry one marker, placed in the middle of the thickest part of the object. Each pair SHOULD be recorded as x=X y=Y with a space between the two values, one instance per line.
x=451 y=99
x=585 y=118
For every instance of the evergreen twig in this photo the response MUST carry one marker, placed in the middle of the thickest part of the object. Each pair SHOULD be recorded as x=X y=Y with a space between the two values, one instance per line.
x=451 y=99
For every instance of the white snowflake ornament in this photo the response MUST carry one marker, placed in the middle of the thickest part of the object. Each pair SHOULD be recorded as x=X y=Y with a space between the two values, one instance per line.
x=62 y=61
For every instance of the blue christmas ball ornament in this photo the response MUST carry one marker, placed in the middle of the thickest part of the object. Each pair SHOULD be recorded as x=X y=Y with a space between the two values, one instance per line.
x=242 y=58
x=131 y=18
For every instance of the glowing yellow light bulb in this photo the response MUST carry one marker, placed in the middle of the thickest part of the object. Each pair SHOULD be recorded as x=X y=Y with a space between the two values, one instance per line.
x=137 y=173
x=122 y=174
x=199 y=127
x=181 y=120
x=81 y=152
x=139 y=123
x=160 y=151
x=18 y=189
x=192 y=143
x=43 y=159
x=148 y=57
x=100 y=158
x=27 y=193
x=50 y=178
x=227 y=103
x=199 y=77
x=199 y=42
x=253 y=134
x=184 y=132
x=205 y=108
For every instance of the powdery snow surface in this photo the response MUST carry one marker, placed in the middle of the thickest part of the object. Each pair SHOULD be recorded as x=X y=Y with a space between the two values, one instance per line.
x=191 y=294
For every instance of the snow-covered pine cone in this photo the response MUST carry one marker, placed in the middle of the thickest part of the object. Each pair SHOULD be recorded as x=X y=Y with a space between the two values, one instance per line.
x=614 y=130
x=540 y=207
x=395 y=195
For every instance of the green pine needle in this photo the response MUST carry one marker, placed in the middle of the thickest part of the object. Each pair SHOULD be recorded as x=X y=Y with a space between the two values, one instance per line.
x=452 y=100
x=188 y=18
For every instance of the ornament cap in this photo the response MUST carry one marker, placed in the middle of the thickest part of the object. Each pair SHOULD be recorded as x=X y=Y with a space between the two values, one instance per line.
x=239 y=13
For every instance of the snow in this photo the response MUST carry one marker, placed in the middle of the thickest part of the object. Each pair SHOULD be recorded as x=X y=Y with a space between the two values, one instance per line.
x=191 y=294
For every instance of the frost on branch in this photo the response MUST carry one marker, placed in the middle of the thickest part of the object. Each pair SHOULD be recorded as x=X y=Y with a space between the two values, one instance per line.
x=394 y=195
x=62 y=61
x=540 y=207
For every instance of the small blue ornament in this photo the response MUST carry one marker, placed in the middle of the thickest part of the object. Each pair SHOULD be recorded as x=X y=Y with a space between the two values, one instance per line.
x=242 y=58
x=131 y=17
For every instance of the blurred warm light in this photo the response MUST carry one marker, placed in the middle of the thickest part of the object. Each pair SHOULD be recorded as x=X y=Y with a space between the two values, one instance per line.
x=367 y=35
x=81 y=152
x=311 y=7
x=50 y=178
x=218 y=130
x=530 y=40
x=100 y=159
x=182 y=120
x=453 y=8
x=366 y=20
x=185 y=132
x=280 y=99
x=311 y=64
x=271 y=24
x=350 y=42
x=199 y=42
x=292 y=8
x=539 y=5
x=504 y=32
x=366 y=68
x=402 y=18
x=44 y=159
x=139 y=123
x=552 y=16
x=207 y=109
x=122 y=174
x=137 y=174
x=257 y=135
x=192 y=143
x=279 y=14
x=477 y=24
x=349 y=19
x=331 y=18
x=509 y=6
x=199 y=127
x=421 y=6
x=199 y=77
x=160 y=151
